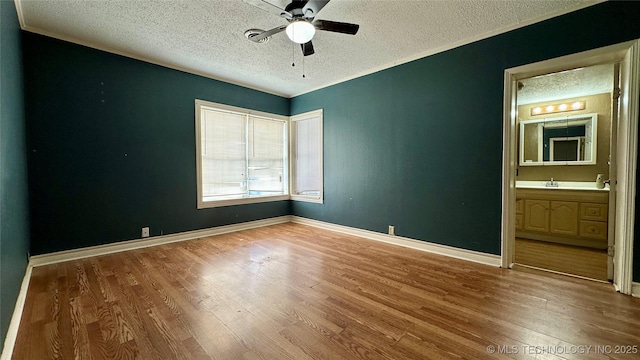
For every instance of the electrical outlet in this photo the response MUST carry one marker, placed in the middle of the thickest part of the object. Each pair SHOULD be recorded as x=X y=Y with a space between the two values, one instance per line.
x=392 y=230
x=145 y=231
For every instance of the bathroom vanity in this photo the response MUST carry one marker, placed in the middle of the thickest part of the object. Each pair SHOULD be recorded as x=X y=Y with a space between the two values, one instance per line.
x=574 y=213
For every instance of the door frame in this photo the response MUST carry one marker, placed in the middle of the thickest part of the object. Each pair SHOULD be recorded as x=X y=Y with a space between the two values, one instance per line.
x=626 y=154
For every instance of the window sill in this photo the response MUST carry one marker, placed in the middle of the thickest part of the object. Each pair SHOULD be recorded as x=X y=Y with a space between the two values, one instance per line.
x=306 y=198
x=242 y=201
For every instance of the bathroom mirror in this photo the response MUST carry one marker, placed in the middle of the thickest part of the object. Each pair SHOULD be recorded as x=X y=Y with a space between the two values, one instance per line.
x=567 y=140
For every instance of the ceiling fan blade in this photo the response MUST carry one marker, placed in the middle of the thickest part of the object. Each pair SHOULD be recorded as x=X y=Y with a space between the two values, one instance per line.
x=262 y=35
x=269 y=7
x=313 y=7
x=307 y=48
x=339 y=27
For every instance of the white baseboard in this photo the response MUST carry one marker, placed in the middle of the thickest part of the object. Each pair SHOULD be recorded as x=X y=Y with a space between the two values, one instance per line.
x=14 y=324
x=45 y=259
x=635 y=289
x=75 y=254
x=61 y=256
x=469 y=255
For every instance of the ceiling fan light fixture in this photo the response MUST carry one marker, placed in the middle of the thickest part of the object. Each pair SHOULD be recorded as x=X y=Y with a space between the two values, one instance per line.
x=300 y=31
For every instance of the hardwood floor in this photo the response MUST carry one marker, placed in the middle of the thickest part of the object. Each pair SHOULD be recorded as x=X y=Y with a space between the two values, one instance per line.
x=575 y=260
x=295 y=292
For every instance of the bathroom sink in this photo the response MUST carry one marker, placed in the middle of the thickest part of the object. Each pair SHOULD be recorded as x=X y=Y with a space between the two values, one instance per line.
x=562 y=185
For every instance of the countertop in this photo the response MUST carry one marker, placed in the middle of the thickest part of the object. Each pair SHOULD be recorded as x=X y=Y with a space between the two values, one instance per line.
x=562 y=185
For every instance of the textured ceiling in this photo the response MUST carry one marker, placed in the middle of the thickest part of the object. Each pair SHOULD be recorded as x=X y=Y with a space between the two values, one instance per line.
x=591 y=80
x=207 y=37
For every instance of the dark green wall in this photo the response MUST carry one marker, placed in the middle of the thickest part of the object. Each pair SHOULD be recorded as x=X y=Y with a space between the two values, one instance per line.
x=419 y=146
x=14 y=214
x=112 y=146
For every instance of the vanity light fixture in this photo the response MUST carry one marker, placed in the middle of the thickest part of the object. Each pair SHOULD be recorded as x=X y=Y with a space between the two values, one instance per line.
x=550 y=109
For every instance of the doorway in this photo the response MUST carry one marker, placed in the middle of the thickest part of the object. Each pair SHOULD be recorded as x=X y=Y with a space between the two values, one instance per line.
x=623 y=174
x=563 y=132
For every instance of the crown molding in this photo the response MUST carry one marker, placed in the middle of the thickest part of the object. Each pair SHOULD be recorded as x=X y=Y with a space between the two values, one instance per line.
x=454 y=45
x=376 y=69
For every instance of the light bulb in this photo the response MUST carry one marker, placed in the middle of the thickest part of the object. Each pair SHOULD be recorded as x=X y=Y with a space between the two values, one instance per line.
x=300 y=31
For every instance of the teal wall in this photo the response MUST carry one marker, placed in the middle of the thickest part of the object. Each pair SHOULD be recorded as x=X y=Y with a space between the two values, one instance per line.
x=110 y=142
x=14 y=212
x=419 y=146
x=112 y=146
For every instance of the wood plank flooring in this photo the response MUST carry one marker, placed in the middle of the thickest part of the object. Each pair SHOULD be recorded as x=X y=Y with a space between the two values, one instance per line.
x=290 y=291
x=575 y=260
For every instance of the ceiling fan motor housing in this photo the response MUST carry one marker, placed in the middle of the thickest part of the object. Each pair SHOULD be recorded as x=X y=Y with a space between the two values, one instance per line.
x=295 y=9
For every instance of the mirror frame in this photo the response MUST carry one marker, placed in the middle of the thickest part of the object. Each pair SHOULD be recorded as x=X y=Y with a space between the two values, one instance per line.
x=591 y=118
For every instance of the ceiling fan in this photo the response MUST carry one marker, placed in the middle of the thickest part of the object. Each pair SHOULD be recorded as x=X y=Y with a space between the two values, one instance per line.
x=302 y=24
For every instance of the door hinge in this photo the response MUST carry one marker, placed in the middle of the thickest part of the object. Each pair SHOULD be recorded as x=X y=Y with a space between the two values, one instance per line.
x=616 y=93
x=611 y=251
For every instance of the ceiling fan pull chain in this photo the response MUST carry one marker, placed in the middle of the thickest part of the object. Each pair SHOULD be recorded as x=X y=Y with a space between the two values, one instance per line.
x=303 y=68
x=293 y=54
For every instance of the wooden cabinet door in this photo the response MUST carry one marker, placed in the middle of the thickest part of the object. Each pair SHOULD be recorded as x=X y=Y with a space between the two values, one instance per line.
x=564 y=218
x=519 y=221
x=536 y=215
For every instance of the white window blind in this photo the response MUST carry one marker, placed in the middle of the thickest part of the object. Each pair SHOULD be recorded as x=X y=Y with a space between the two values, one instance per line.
x=223 y=154
x=240 y=156
x=266 y=162
x=307 y=154
x=307 y=157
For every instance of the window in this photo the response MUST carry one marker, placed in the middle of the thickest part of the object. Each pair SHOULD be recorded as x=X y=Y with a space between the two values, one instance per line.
x=241 y=155
x=306 y=155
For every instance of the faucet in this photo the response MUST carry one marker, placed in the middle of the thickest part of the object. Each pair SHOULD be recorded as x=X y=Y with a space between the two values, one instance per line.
x=551 y=183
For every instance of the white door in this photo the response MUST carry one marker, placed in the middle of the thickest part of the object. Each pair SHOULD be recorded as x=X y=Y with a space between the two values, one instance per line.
x=627 y=151
x=613 y=176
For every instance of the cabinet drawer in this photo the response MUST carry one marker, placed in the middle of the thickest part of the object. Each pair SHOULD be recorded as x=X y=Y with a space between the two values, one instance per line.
x=519 y=221
x=593 y=229
x=519 y=206
x=595 y=212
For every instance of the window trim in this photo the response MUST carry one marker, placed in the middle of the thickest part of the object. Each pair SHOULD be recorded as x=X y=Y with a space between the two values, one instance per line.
x=319 y=199
x=248 y=200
